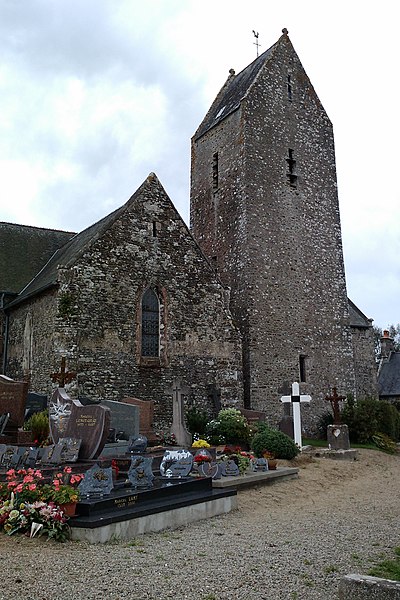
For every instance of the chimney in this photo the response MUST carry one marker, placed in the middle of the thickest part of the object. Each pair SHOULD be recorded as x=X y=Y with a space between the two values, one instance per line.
x=387 y=344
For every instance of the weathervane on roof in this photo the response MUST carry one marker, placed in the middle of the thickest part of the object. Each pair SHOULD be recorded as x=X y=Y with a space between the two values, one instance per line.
x=256 y=43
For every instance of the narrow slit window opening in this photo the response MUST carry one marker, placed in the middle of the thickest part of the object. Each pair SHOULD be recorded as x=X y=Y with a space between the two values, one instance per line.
x=302 y=369
x=215 y=171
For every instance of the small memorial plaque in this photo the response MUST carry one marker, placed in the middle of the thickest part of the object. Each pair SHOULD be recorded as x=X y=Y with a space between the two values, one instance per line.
x=176 y=463
x=231 y=469
x=213 y=470
x=8 y=454
x=98 y=482
x=69 y=449
x=140 y=473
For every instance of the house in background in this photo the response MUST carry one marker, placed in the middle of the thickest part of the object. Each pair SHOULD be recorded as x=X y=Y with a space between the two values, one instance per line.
x=389 y=370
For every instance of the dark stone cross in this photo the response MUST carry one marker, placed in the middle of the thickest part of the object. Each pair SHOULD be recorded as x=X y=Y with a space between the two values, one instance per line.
x=334 y=400
x=63 y=376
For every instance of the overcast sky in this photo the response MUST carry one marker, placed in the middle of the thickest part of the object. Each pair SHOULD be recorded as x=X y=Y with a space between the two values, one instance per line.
x=96 y=94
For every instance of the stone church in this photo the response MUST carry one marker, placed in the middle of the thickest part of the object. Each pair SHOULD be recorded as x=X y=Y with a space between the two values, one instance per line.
x=250 y=299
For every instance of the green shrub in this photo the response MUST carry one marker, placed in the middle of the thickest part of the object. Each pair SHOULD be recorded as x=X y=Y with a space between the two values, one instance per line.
x=322 y=425
x=230 y=427
x=196 y=421
x=369 y=416
x=38 y=423
x=276 y=442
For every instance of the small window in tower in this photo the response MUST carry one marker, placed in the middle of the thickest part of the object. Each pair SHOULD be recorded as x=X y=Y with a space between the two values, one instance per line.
x=289 y=88
x=154 y=228
x=302 y=369
x=215 y=171
x=291 y=175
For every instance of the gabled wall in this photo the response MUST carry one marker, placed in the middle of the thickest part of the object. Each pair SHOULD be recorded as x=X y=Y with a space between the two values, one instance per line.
x=94 y=316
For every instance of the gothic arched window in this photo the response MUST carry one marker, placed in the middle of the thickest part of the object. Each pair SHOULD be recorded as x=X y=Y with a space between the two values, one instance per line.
x=150 y=324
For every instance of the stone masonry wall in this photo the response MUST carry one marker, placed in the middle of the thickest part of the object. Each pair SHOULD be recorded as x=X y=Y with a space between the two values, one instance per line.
x=364 y=362
x=148 y=245
x=281 y=248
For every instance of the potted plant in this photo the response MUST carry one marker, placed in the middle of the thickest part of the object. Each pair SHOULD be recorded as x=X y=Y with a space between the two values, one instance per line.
x=63 y=490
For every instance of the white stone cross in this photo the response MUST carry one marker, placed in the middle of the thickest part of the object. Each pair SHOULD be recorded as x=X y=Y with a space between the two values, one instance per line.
x=295 y=398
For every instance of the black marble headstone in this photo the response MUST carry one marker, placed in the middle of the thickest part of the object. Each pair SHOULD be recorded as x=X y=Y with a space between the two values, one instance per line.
x=35 y=403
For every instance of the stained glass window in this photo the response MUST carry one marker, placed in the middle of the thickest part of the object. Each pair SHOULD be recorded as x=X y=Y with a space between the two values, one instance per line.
x=150 y=324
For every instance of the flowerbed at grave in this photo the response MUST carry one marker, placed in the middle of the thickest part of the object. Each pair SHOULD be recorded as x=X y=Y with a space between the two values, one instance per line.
x=32 y=505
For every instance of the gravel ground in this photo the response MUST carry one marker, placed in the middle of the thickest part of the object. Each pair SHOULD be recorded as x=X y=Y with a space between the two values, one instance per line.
x=291 y=540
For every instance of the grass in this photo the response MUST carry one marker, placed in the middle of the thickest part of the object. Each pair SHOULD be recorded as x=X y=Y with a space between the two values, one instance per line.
x=388 y=569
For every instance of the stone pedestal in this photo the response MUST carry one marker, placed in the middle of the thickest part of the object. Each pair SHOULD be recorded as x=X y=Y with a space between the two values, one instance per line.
x=338 y=437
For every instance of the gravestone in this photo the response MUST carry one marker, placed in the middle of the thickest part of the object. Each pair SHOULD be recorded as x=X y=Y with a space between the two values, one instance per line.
x=66 y=450
x=69 y=419
x=91 y=425
x=176 y=463
x=60 y=406
x=13 y=400
x=213 y=470
x=140 y=472
x=3 y=422
x=46 y=454
x=35 y=403
x=230 y=468
x=7 y=456
x=338 y=433
x=146 y=417
x=295 y=399
x=178 y=429
x=97 y=482
x=124 y=418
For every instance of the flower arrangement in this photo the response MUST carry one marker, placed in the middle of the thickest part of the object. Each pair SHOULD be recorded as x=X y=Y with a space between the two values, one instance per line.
x=239 y=456
x=31 y=518
x=29 y=504
x=201 y=444
x=63 y=490
x=201 y=458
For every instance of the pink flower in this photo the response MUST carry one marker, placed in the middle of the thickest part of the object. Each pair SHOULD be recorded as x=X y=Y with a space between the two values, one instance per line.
x=67 y=470
x=28 y=479
x=11 y=473
x=32 y=487
x=19 y=488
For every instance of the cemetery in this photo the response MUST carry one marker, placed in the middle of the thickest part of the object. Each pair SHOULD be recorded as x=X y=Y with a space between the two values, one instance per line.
x=95 y=469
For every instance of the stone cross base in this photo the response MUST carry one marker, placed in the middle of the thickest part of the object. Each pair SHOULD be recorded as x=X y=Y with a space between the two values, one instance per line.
x=338 y=437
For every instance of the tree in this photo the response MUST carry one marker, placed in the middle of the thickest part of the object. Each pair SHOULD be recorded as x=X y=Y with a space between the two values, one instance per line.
x=394 y=332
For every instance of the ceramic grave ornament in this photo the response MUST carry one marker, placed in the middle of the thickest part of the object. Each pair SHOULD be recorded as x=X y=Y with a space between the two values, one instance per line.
x=176 y=463
x=295 y=399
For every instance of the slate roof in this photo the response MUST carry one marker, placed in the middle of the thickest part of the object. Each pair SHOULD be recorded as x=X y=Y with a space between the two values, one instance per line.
x=233 y=92
x=23 y=252
x=75 y=247
x=357 y=318
x=389 y=376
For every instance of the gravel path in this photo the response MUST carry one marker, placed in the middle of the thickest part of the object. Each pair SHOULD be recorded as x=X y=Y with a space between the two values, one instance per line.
x=291 y=540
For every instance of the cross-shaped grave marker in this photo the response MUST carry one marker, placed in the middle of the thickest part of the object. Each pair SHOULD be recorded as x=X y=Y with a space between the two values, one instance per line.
x=63 y=376
x=183 y=437
x=334 y=400
x=295 y=398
